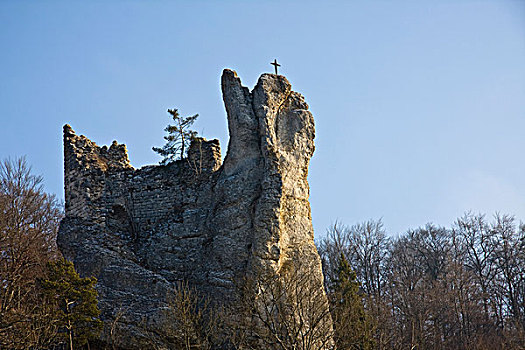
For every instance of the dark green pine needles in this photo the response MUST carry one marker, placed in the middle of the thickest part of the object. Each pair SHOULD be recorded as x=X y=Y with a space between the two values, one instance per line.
x=353 y=326
x=76 y=301
x=178 y=138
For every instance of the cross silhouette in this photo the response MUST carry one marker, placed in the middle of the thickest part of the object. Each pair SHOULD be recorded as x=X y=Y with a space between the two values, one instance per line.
x=275 y=64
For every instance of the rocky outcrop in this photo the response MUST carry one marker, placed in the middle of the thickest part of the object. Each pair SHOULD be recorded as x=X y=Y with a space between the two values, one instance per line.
x=140 y=231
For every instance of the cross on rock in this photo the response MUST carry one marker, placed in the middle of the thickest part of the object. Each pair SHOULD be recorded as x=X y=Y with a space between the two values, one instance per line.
x=275 y=64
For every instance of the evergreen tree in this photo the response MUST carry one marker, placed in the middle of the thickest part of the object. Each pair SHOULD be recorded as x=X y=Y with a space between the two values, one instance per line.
x=353 y=327
x=178 y=138
x=76 y=299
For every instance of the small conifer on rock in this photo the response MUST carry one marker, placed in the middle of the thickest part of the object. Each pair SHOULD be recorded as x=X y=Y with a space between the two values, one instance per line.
x=178 y=138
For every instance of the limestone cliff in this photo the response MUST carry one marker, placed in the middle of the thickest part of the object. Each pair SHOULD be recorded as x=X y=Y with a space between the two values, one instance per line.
x=140 y=231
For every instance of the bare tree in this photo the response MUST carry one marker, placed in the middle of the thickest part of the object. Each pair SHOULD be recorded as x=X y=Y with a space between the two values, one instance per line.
x=509 y=256
x=366 y=247
x=475 y=236
x=285 y=310
x=335 y=243
x=29 y=220
x=189 y=321
x=435 y=288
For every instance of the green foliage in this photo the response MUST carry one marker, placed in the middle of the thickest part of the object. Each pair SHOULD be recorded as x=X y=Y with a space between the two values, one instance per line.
x=178 y=138
x=353 y=327
x=346 y=284
x=76 y=300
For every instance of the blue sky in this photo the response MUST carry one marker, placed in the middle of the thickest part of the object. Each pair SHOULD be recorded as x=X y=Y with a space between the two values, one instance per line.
x=419 y=105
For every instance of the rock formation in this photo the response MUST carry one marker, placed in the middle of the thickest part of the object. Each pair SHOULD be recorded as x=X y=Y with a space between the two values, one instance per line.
x=140 y=231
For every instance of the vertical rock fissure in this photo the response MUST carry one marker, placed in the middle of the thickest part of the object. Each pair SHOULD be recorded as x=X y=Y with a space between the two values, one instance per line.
x=258 y=194
x=285 y=99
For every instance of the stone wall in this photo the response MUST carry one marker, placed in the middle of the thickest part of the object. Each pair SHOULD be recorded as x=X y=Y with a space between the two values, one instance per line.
x=140 y=231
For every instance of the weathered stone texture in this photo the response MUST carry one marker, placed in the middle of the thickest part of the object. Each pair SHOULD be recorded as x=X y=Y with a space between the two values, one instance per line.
x=140 y=231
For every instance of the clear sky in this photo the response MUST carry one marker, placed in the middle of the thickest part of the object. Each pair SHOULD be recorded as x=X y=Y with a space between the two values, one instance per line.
x=419 y=105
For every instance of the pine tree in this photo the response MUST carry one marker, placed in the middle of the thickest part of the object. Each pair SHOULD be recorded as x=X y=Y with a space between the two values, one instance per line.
x=353 y=327
x=76 y=299
x=178 y=138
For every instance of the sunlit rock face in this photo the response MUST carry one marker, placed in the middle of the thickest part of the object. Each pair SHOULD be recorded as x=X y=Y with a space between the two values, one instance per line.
x=200 y=220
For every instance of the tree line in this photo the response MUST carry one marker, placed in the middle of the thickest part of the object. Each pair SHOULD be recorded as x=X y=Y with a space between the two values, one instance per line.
x=433 y=287
x=44 y=303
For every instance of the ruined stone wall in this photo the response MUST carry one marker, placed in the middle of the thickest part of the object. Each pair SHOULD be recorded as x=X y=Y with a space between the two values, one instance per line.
x=140 y=231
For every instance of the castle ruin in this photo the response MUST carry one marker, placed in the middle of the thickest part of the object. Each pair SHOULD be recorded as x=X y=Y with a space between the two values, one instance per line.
x=200 y=220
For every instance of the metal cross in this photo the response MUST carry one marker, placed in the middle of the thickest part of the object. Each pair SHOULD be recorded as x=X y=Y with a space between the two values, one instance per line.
x=275 y=64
